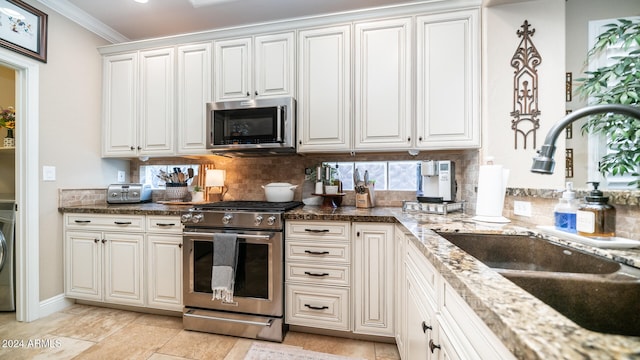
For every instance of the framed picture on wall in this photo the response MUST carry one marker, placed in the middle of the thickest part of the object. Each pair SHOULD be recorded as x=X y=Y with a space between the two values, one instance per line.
x=23 y=29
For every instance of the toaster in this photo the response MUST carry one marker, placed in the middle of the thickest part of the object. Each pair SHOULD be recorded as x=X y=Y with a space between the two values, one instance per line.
x=128 y=193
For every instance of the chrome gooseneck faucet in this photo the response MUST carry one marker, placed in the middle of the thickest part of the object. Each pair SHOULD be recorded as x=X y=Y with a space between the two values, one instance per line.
x=543 y=163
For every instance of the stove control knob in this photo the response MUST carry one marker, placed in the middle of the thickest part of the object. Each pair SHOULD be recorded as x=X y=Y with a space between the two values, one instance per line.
x=271 y=220
x=186 y=218
x=226 y=219
x=196 y=218
x=258 y=220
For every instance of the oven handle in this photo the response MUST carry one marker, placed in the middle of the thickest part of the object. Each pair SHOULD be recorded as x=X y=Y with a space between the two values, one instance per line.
x=257 y=323
x=241 y=236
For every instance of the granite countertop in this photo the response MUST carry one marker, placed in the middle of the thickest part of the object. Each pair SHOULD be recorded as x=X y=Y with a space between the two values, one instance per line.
x=527 y=326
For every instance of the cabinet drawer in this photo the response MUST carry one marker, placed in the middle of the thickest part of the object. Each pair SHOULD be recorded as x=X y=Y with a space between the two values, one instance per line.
x=313 y=230
x=318 y=306
x=307 y=251
x=105 y=222
x=164 y=224
x=318 y=274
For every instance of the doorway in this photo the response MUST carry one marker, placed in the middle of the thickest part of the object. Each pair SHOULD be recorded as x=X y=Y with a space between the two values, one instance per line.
x=26 y=177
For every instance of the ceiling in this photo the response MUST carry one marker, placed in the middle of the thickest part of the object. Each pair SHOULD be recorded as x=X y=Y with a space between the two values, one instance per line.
x=158 y=18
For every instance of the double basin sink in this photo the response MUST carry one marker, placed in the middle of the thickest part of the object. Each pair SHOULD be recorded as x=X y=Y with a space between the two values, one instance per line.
x=596 y=293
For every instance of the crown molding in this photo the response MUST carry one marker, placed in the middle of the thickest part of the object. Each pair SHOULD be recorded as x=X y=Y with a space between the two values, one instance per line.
x=82 y=18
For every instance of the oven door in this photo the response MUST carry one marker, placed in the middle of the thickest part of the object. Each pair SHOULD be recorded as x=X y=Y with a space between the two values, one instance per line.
x=259 y=279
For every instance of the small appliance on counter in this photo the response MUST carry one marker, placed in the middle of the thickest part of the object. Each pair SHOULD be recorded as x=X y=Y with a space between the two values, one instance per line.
x=438 y=182
x=128 y=193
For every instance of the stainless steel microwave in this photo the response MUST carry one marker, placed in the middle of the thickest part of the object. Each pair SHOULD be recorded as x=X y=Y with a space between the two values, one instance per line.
x=252 y=127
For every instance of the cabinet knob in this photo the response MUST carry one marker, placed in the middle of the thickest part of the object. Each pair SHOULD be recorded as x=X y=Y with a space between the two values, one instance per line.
x=256 y=92
x=248 y=94
x=180 y=246
x=433 y=346
x=104 y=241
x=420 y=138
x=409 y=139
x=132 y=148
x=96 y=240
x=139 y=147
x=425 y=327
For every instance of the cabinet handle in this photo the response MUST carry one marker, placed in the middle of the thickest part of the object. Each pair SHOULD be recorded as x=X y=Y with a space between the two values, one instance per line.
x=180 y=246
x=317 y=230
x=104 y=241
x=96 y=240
x=409 y=139
x=433 y=346
x=425 y=327
x=315 y=274
x=132 y=148
x=316 y=252
x=420 y=138
x=316 y=307
x=164 y=224
x=300 y=142
x=139 y=147
x=248 y=94
x=358 y=233
x=256 y=92
x=122 y=222
x=82 y=221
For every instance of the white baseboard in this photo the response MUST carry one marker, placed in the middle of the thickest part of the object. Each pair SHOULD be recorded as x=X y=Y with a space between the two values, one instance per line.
x=54 y=304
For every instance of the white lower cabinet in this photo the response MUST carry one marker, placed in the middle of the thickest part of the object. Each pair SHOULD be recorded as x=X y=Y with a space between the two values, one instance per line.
x=317 y=274
x=164 y=262
x=373 y=265
x=438 y=323
x=105 y=260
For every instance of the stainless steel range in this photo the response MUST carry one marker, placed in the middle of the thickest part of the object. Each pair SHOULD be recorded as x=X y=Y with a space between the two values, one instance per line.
x=257 y=309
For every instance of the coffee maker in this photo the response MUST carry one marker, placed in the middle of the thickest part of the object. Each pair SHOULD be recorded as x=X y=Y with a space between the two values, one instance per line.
x=438 y=181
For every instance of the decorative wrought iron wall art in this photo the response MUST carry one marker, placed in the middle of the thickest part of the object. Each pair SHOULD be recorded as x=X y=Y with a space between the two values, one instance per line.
x=568 y=170
x=525 y=115
x=568 y=86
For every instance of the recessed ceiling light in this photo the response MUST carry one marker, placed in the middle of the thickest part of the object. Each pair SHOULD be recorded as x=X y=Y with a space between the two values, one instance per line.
x=141 y=1
x=199 y=3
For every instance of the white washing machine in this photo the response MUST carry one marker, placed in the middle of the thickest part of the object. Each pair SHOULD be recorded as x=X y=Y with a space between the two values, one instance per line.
x=7 y=256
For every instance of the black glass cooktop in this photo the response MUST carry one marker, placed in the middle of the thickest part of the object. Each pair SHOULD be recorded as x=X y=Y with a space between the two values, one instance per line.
x=251 y=205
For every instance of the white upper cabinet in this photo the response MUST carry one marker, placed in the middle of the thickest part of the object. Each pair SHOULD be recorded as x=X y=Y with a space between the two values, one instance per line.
x=120 y=104
x=194 y=91
x=138 y=103
x=383 y=85
x=157 y=102
x=254 y=67
x=324 y=89
x=448 y=80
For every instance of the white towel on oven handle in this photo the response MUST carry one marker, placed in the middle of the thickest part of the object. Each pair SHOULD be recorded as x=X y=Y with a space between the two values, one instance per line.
x=225 y=257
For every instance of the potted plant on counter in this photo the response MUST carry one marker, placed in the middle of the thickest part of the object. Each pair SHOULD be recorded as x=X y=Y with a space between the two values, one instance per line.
x=197 y=195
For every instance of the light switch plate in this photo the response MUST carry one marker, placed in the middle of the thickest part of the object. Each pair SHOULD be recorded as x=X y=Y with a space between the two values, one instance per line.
x=48 y=173
x=121 y=176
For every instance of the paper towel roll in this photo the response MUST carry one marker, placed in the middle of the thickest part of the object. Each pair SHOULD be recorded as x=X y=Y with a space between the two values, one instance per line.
x=492 y=183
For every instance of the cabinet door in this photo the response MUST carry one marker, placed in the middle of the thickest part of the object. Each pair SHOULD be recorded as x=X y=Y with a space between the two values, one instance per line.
x=232 y=69
x=420 y=320
x=119 y=105
x=383 y=85
x=83 y=265
x=448 y=80
x=157 y=102
x=274 y=65
x=324 y=78
x=123 y=268
x=194 y=91
x=164 y=271
x=373 y=265
x=400 y=307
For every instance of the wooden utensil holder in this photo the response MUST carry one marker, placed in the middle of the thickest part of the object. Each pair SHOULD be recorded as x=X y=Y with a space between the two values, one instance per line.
x=366 y=199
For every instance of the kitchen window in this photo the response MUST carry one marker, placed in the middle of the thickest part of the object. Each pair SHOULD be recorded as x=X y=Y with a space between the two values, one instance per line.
x=149 y=173
x=387 y=175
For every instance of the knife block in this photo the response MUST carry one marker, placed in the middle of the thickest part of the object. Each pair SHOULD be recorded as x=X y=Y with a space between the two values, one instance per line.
x=366 y=199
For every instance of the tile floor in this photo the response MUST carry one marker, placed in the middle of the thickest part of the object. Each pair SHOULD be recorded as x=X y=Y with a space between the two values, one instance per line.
x=87 y=332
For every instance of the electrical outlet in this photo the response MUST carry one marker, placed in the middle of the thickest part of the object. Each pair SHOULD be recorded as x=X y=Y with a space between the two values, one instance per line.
x=522 y=208
x=121 y=176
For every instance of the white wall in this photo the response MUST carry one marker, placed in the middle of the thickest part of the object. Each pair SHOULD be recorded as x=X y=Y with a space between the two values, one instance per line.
x=500 y=41
x=70 y=101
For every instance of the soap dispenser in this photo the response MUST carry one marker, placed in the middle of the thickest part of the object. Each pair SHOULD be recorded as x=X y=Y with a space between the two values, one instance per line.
x=596 y=218
x=564 y=213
